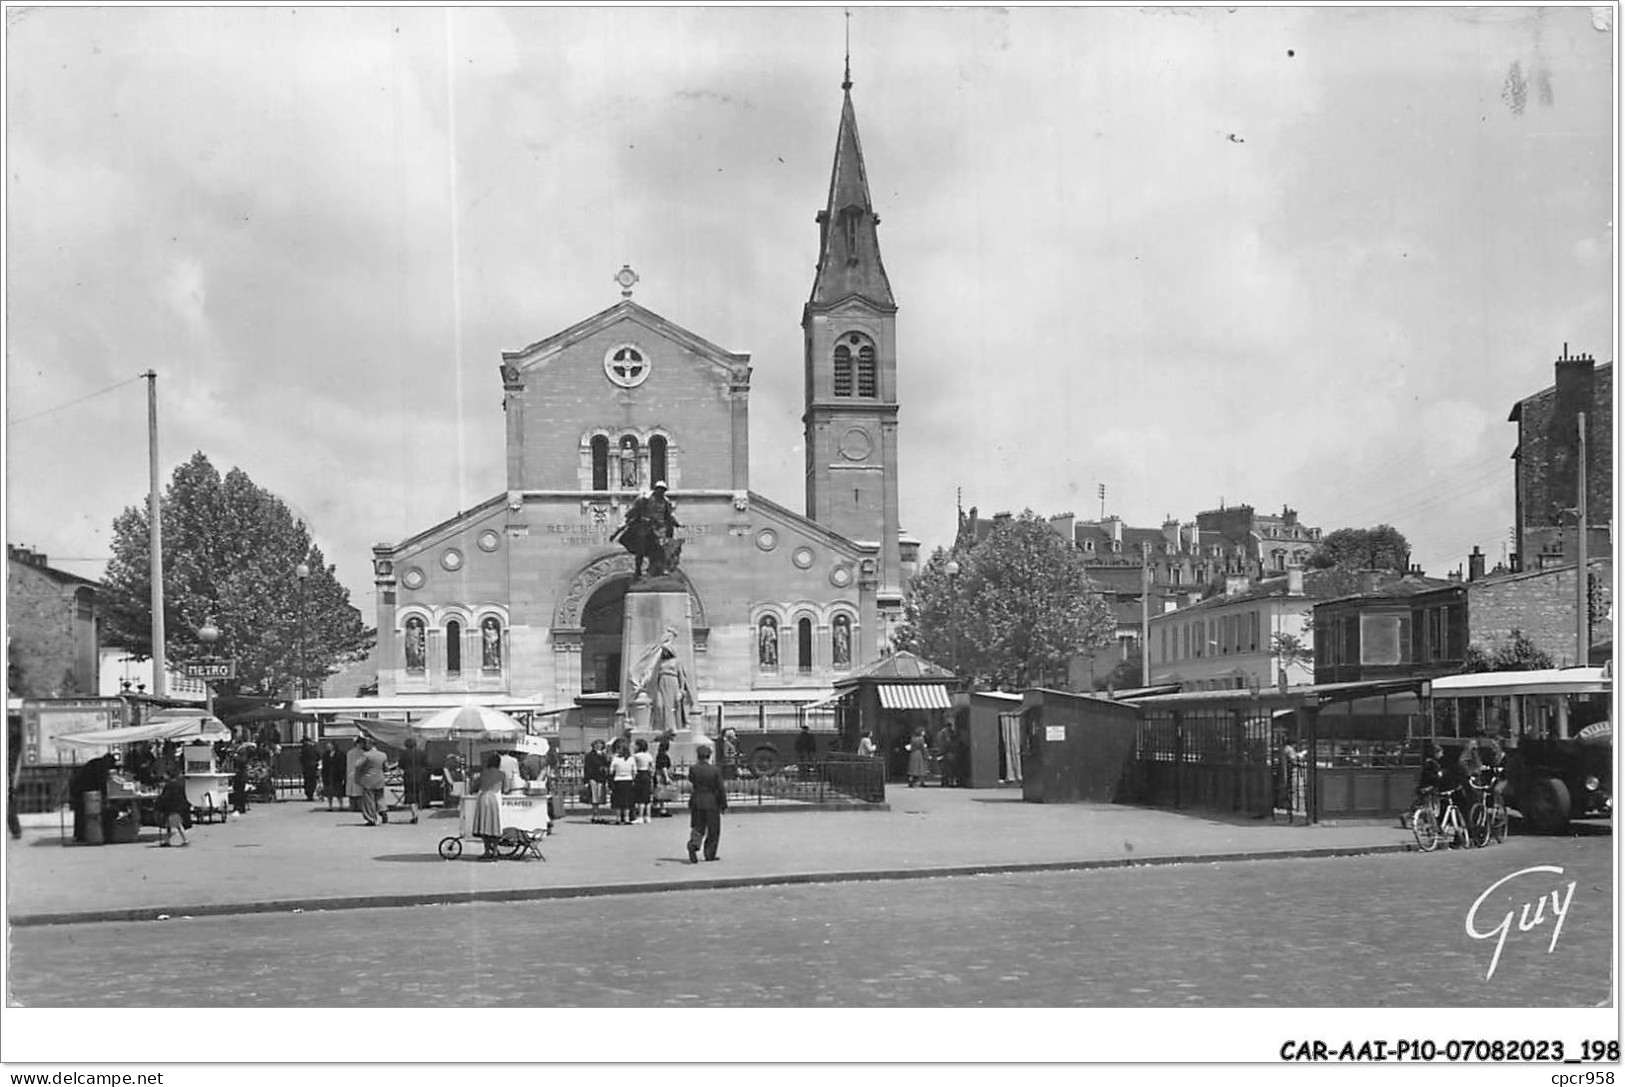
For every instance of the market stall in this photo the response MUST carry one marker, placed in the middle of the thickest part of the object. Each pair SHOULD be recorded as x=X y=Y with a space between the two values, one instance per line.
x=480 y=729
x=205 y=786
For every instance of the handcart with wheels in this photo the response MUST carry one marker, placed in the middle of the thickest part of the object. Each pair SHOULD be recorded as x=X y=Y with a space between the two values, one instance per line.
x=524 y=824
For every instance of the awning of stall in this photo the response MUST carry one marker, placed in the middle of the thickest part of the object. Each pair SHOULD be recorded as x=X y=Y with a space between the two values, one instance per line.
x=914 y=696
x=165 y=725
x=806 y=697
x=1535 y=681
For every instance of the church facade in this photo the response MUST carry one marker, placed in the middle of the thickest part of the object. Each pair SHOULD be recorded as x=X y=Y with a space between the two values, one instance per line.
x=524 y=595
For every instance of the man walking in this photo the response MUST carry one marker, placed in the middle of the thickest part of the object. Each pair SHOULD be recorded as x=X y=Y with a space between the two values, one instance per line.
x=369 y=779
x=707 y=800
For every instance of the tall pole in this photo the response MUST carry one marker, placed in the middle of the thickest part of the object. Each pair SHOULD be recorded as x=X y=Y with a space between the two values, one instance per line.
x=1582 y=618
x=1145 y=614
x=155 y=535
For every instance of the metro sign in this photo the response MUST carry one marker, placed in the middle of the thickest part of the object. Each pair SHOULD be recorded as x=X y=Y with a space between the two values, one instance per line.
x=209 y=669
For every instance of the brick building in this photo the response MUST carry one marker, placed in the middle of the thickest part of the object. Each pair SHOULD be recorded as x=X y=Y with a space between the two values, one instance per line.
x=1547 y=464
x=524 y=594
x=53 y=629
x=1541 y=605
x=1176 y=559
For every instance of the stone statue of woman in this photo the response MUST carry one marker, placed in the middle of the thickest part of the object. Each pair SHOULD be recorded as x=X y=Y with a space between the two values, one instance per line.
x=661 y=675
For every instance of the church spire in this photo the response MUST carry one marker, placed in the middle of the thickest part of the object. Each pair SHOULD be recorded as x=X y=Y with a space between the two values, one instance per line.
x=848 y=245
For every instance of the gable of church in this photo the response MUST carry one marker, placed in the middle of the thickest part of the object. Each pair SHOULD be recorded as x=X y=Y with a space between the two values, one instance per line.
x=628 y=376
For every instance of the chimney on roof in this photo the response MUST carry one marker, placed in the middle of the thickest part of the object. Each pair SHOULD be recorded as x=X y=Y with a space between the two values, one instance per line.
x=1114 y=525
x=1235 y=584
x=1368 y=581
x=1294 y=581
x=1475 y=564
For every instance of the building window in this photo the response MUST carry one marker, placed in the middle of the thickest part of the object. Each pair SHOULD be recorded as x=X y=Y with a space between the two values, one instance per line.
x=629 y=462
x=804 y=646
x=866 y=371
x=841 y=641
x=454 y=648
x=657 y=460
x=1253 y=627
x=600 y=463
x=843 y=370
x=415 y=638
x=767 y=644
x=1164 y=657
x=1382 y=638
x=490 y=644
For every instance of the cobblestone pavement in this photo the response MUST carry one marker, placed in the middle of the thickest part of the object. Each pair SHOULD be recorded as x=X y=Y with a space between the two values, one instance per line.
x=1373 y=931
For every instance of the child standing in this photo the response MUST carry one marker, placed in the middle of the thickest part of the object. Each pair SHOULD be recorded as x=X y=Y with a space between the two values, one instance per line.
x=172 y=808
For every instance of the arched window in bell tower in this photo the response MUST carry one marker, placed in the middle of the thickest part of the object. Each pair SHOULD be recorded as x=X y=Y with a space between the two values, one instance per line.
x=866 y=371
x=843 y=370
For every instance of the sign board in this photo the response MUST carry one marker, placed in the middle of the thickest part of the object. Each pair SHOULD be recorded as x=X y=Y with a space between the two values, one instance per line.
x=209 y=669
x=46 y=719
x=532 y=745
x=1055 y=733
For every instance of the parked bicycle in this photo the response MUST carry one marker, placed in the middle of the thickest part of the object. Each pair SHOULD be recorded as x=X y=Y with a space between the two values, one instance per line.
x=1437 y=817
x=1487 y=815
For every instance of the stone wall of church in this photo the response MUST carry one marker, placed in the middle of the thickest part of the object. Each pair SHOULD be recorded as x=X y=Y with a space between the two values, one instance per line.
x=683 y=395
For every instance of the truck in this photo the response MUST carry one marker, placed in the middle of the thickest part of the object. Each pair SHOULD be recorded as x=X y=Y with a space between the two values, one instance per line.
x=1555 y=731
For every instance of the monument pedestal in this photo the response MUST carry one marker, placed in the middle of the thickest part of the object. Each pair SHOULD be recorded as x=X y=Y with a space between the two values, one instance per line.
x=658 y=613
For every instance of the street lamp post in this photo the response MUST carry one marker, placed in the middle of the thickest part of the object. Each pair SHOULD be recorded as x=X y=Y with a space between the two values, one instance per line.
x=208 y=634
x=302 y=572
x=952 y=570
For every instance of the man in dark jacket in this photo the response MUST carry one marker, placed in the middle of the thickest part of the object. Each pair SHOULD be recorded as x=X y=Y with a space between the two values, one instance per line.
x=310 y=766
x=707 y=800
x=806 y=752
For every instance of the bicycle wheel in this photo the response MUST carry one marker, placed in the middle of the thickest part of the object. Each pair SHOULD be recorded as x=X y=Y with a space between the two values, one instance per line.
x=1498 y=820
x=1478 y=824
x=1425 y=825
x=510 y=846
x=451 y=848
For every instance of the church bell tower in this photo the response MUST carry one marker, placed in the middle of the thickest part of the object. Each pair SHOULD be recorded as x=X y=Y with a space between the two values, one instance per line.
x=848 y=327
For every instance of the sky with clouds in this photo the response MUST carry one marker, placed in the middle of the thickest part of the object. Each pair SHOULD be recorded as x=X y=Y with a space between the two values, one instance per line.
x=1277 y=256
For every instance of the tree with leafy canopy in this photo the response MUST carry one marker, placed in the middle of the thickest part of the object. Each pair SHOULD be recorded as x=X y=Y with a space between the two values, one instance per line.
x=1380 y=548
x=231 y=551
x=1125 y=674
x=1517 y=654
x=1019 y=609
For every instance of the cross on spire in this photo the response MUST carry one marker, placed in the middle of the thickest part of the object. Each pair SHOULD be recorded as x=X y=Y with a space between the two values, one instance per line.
x=846 y=83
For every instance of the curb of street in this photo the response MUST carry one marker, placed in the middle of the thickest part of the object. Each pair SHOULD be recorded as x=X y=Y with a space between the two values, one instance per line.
x=590 y=890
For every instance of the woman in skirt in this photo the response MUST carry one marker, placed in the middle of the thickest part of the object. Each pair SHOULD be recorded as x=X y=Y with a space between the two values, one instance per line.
x=622 y=776
x=487 y=824
x=643 y=781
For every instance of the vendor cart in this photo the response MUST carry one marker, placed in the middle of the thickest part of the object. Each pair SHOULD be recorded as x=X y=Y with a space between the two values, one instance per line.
x=525 y=823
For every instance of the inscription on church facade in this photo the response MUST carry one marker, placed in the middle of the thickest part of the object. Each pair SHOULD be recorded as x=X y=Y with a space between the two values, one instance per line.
x=587 y=534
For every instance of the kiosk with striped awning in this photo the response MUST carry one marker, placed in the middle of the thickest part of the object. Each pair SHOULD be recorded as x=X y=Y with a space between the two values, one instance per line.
x=890 y=699
x=919 y=696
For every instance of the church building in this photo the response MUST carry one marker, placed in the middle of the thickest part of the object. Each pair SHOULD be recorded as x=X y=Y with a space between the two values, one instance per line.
x=524 y=595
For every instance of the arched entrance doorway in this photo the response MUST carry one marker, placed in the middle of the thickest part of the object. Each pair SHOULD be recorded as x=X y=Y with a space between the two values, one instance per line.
x=601 y=620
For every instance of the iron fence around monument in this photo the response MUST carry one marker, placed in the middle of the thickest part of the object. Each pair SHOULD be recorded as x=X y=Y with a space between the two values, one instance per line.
x=830 y=780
